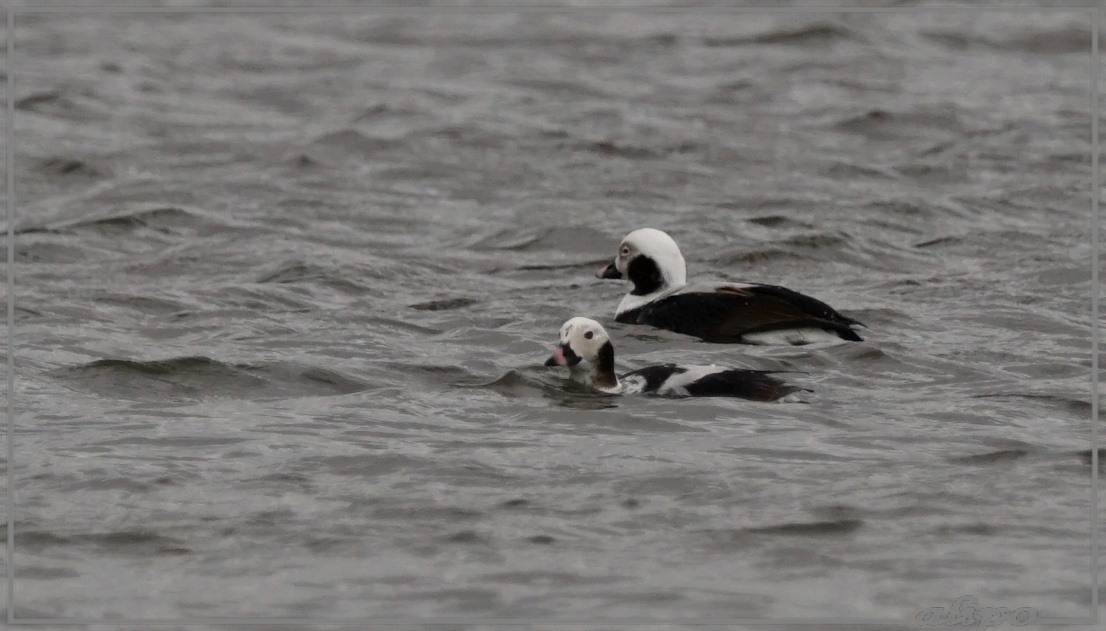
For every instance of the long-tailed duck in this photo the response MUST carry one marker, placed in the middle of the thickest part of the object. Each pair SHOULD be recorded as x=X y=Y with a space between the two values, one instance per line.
x=748 y=313
x=587 y=351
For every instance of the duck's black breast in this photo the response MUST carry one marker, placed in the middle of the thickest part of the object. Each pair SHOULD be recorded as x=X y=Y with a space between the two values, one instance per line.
x=730 y=312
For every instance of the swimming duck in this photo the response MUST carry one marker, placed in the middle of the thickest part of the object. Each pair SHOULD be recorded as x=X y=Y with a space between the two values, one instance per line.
x=748 y=313
x=586 y=349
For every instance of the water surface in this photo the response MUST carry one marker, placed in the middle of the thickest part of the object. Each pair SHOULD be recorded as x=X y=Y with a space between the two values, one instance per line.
x=285 y=285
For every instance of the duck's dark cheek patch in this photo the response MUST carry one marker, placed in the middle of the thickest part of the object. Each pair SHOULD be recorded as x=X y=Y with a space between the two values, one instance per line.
x=645 y=276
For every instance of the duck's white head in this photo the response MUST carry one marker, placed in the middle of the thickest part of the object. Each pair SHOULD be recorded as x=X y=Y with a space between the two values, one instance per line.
x=650 y=260
x=586 y=349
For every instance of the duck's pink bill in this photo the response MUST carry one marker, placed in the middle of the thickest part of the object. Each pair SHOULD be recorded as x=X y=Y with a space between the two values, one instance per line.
x=559 y=356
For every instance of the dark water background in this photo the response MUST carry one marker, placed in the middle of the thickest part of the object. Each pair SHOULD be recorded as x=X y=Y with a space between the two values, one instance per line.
x=285 y=284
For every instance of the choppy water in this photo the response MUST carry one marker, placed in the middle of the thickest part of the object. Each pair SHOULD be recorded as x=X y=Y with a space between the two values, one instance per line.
x=285 y=285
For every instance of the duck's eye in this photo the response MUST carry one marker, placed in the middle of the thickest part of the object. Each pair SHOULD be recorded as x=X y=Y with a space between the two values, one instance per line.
x=625 y=250
x=589 y=335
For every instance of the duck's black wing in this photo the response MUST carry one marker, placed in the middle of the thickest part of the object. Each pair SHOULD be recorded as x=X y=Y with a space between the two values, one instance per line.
x=708 y=381
x=650 y=378
x=757 y=385
x=730 y=312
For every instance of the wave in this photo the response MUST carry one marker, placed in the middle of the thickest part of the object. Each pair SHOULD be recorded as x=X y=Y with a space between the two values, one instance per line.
x=198 y=377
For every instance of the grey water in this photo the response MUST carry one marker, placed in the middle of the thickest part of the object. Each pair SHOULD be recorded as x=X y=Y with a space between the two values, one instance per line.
x=284 y=285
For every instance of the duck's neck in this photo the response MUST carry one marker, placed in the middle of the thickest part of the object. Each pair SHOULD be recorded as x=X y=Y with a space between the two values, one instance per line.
x=632 y=301
x=600 y=373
